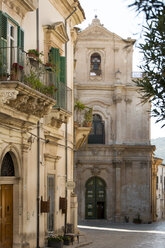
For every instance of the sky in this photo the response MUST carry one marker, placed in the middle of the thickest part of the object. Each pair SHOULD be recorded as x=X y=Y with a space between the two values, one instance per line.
x=118 y=18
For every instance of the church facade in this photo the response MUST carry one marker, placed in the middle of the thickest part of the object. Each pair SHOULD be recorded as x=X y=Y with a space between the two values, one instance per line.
x=113 y=170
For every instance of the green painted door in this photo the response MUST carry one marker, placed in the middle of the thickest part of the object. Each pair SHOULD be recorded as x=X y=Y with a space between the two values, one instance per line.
x=95 y=198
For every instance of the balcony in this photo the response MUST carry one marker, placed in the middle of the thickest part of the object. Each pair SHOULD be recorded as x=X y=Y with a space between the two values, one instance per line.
x=30 y=87
x=83 y=123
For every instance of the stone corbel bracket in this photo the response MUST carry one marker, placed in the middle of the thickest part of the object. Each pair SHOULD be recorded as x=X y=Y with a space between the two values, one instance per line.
x=25 y=99
x=56 y=118
x=81 y=135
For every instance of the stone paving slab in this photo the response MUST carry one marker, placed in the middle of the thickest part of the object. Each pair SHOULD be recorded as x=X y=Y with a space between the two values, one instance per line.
x=111 y=235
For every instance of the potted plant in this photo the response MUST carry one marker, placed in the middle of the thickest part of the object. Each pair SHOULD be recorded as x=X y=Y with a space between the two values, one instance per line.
x=55 y=241
x=88 y=116
x=78 y=107
x=16 y=70
x=67 y=240
x=33 y=53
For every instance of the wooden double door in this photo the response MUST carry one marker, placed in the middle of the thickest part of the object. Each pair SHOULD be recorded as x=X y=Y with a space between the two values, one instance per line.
x=95 y=199
x=6 y=216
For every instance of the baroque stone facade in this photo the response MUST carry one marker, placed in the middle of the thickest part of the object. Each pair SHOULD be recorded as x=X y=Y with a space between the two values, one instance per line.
x=113 y=171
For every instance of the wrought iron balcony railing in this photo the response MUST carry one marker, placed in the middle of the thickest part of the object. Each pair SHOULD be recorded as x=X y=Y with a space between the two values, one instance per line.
x=17 y=65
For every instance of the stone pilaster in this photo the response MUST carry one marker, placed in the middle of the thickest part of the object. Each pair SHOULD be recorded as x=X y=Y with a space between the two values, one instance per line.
x=117 y=167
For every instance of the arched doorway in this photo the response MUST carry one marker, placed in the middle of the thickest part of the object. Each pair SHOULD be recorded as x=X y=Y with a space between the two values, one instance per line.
x=95 y=198
x=6 y=203
x=97 y=134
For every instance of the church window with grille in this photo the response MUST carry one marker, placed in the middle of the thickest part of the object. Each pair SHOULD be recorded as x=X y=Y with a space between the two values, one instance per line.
x=95 y=64
x=97 y=133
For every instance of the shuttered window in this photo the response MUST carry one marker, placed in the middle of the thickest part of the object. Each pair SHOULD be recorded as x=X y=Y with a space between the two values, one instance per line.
x=20 y=45
x=54 y=58
x=60 y=64
x=51 y=194
x=3 y=43
x=62 y=69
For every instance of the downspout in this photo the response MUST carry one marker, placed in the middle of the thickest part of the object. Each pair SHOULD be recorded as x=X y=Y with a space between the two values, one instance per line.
x=38 y=143
x=66 y=127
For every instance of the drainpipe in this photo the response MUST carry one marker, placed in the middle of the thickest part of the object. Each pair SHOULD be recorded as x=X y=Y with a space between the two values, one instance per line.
x=66 y=127
x=38 y=142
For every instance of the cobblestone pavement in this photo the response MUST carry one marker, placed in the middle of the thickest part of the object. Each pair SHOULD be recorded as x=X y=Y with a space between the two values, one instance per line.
x=106 y=235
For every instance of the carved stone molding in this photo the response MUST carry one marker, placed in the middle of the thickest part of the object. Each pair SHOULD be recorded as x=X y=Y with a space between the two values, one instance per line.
x=95 y=171
x=116 y=163
x=56 y=118
x=25 y=99
x=7 y=94
x=21 y=7
x=128 y=100
x=54 y=36
x=117 y=98
x=51 y=158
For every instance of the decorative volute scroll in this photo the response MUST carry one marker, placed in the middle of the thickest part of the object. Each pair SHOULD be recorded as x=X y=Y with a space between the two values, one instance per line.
x=25 y=99
x=21 y=7
x=81 y=135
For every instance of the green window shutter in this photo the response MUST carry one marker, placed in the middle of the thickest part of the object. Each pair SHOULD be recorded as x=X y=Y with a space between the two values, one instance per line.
x=20 y=45
x=3 y=26
x=54 y=58
x=3 y=42
x=62 y=69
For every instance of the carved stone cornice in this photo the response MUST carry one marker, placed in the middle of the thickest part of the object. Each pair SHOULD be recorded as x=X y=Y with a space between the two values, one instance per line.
x=51 y=158
x=56 y=118
x=25 y=99
x=21 y=7
x=66 y=7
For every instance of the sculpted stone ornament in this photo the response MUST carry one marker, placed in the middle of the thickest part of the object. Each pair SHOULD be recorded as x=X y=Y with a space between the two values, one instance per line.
x=25 y=99
x=117 y=98
x=56 y=118
x=7 y=94
x=95 y=171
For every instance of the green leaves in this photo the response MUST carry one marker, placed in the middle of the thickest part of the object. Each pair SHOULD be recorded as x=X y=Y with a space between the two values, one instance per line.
x=152 y=85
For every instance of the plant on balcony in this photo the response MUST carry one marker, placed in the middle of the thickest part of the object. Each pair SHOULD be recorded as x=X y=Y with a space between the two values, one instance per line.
x=16 y=71
x=78 y=107
x=88 y=117
x=55 y=241
x=34 y=82
x=3 y=68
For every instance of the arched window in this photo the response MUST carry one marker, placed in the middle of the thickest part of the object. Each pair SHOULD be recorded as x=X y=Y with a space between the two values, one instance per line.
x=7 y=168
x=95 y=64
x=96 y=135
x=95 y=198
